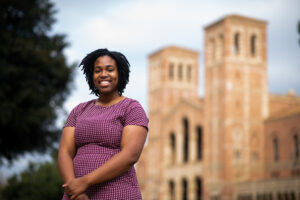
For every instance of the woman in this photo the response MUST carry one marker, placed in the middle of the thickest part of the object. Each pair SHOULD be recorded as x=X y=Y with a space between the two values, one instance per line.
x=103 y=138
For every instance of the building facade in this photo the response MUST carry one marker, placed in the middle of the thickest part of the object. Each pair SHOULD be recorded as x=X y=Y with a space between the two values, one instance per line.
x=239 y=141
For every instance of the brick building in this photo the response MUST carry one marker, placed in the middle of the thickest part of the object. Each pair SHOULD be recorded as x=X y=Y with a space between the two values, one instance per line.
x=239 y=141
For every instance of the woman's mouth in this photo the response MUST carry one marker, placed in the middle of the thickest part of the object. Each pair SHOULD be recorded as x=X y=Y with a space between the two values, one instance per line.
x=103 y=83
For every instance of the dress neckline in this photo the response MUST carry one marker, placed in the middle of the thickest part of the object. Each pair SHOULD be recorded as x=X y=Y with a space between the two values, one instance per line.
x=103 y=106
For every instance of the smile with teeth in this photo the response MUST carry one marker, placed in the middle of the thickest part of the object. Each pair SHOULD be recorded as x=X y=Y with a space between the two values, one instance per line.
x=103 y=83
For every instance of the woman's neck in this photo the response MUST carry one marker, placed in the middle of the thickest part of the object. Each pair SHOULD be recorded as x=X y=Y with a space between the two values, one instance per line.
x=109 y=99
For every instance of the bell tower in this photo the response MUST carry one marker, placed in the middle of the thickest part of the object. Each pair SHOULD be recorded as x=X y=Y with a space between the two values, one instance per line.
x=173 y=75
x=235 y=103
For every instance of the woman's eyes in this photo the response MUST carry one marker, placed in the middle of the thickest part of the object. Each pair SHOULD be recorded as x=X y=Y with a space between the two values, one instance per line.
x=109 y=70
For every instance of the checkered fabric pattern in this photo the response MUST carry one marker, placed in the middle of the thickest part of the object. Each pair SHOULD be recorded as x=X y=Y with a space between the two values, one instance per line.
x=98 y=131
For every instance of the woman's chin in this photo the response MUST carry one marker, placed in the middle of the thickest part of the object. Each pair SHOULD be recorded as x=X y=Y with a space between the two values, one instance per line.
x=107 y=92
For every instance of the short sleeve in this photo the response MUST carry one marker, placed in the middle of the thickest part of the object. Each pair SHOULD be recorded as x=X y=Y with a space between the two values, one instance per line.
x=72 y=118
x=135 y=115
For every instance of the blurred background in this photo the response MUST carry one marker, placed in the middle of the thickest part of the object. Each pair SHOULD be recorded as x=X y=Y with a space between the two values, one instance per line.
x=42 y=42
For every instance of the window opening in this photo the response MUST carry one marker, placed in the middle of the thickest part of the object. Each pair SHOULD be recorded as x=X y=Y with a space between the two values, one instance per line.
x=275 y=149
x=186 y=140
x=253 y=45
x=236 y=44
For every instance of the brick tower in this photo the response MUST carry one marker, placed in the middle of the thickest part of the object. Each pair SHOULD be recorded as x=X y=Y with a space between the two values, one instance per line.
x=173 y=75
x=236 y=101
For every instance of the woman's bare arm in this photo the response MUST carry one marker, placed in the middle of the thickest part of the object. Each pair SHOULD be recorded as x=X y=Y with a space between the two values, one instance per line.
x=66 y=153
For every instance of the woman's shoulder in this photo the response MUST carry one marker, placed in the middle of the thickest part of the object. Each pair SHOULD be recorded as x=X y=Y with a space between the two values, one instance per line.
x=81 y=106
x=131 y=104
x=129 y=101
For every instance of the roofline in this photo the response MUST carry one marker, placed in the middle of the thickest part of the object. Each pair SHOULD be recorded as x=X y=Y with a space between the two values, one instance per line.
x=273 y=95
x=234 y=16
x=173 y=46
x=272 y=119
x=190 y=102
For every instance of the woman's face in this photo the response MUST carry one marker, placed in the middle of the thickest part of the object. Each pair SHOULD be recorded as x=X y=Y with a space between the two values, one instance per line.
x=106 y=75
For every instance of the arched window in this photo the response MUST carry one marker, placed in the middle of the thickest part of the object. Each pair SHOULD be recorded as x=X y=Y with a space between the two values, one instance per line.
x=198 y=188
x=189 y=73
x=286 y=196
x=180 y=72
x=184 y=189
x=270 y=196
x=171 y=71
x=253 y=45
x=237 y=154
x=185 y=140
x=220 y=46
x=236 y=44
x=296 y=147
x=172 y=190
x=212 y=48
x=275 y=149
x=199 y=142
x=173 y=146
x=279 y=196
x=259 y=197
x=292 y=196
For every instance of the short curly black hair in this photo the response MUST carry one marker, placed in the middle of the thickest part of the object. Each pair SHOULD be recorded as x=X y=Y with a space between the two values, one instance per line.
x=123 y=66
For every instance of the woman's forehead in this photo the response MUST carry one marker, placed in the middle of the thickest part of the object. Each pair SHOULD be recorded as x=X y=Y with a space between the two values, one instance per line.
x=105 y=60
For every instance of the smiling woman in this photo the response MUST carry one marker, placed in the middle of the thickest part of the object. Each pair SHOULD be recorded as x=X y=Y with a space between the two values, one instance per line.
x=104 y=137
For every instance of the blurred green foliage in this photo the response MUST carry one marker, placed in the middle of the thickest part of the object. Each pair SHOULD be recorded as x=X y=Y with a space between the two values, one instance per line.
x=34 y=77
x=37 y=182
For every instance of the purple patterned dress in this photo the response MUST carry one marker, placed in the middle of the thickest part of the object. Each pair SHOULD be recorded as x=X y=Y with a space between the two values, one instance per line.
x=98 y=132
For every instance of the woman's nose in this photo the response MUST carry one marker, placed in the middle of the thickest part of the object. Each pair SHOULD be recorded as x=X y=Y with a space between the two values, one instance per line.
x=103 y=73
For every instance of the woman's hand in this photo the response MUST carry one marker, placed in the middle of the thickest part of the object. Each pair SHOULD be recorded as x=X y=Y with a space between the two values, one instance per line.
x=75 y=187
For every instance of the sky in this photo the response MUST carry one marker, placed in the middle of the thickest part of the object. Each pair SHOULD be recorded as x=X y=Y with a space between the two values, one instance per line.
x=139 y=27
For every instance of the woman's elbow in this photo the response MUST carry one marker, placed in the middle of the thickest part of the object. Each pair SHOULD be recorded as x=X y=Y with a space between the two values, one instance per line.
x=65 y=154
x=133 y=157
